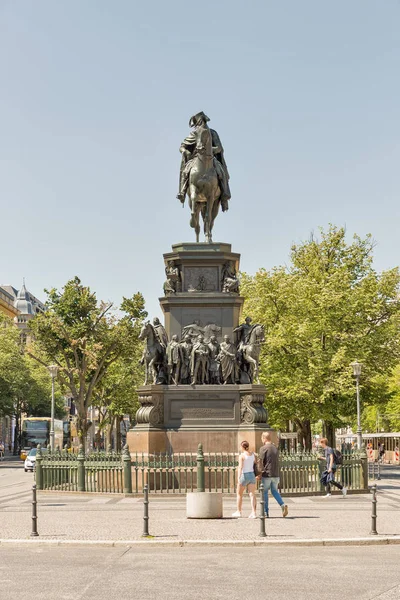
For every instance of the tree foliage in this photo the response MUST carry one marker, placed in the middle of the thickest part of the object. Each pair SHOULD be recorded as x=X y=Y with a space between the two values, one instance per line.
x=327 y=309
x=84 y=338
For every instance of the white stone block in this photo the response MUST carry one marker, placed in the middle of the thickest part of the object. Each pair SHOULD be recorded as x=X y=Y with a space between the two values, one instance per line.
x=204 y=505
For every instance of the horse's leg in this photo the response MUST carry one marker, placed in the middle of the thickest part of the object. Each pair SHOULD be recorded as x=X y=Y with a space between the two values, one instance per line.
x=145 y=372
x=206 y=219
x=152 y=369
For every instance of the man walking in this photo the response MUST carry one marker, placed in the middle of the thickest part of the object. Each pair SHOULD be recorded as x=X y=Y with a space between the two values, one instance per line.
x=269 y=464
x=328 y=477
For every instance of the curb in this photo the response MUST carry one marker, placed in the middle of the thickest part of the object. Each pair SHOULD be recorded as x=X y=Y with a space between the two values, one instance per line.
x=364 y=541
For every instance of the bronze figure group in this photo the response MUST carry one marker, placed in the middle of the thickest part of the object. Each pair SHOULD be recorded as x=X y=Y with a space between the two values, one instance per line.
x=201 y=360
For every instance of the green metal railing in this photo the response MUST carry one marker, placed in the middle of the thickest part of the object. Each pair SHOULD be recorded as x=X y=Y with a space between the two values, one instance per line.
x=112 y=472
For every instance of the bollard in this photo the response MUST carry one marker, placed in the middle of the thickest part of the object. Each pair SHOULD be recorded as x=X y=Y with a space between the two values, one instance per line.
x=200 y=469
x=146 y=512
x=373 y=514
x=127 y=470
x=81 y=469
x=34 y=532
x=262 y=512
x=38 y=468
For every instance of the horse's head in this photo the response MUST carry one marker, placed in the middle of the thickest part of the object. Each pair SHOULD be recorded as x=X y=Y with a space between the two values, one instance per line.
x=144 y=332
x=257 y=335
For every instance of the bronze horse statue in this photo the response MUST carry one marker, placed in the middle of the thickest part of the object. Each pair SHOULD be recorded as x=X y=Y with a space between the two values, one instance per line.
x=204 y=190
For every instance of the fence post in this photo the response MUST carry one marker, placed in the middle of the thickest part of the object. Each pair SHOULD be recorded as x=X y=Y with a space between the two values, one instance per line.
x=373 y=514
x=81 y=469
x=262 y=512
x=126 y=457
x=200 y=469
x=364 y=467
x=38 y=468
x=34 y=532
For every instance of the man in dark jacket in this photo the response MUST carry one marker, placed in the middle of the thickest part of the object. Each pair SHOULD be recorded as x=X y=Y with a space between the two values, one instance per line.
x=269 y=463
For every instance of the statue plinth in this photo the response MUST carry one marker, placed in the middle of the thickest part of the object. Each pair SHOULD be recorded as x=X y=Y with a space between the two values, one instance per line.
x=201 y=299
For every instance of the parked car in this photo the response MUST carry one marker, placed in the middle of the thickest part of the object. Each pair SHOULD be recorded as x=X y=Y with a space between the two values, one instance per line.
x=30 y=460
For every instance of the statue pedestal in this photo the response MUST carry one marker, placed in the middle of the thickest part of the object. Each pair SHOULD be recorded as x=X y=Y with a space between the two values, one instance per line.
x=200 y=297
x=177 y=418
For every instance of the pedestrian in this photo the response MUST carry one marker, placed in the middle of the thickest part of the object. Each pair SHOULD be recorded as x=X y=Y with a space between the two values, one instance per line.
x=328 y=476
x=269 y=465
x=1 y=450
x=246 y=479
x=381 y=449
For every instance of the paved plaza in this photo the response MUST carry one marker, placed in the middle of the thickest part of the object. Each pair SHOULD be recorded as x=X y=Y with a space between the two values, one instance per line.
x=94 y=517
x=126 y=573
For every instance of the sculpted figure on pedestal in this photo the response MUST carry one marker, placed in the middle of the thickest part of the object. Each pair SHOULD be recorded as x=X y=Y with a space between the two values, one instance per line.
x=230 y=282
x=173 y=281
x=227 y=359
x=199 y=361
x=160 y=332
x=213 y=362
x=203 y=175
x=153 y=356
x=249 y=340
x=174 y=358
x=186 y=353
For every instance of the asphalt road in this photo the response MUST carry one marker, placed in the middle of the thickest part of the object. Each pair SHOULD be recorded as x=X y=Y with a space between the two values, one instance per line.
x=84 y=573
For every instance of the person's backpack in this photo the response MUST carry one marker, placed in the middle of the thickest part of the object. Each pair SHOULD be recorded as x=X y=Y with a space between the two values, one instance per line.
x=337 y=457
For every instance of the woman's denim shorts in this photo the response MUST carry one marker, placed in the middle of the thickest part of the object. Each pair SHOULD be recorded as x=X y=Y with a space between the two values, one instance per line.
x=247 y=478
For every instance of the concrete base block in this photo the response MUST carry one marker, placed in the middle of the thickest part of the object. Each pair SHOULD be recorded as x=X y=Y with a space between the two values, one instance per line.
x=204 y=505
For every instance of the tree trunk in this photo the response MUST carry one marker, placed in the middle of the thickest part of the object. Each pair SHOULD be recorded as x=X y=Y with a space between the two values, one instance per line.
x=118 y=433
x=328 y=431
x=16 y=433
x=109 y=433
x=82 y=429
x=304 y=432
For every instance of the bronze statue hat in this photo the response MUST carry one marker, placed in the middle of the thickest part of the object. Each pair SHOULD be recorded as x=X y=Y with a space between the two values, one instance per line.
x=194 y=120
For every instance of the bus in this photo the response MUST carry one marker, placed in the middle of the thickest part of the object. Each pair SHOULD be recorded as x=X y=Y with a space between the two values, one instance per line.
x=36 y=430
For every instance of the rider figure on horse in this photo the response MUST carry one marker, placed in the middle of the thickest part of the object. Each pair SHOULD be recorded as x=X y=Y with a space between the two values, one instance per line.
x=188 y=148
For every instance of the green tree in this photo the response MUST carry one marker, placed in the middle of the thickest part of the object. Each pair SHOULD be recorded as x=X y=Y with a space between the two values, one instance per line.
x=84 y=338
x=24 y=385
x=328 y=308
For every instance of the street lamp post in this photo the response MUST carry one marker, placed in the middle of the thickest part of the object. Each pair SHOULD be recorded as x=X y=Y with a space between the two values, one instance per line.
x=357 y=372
x=53 y=373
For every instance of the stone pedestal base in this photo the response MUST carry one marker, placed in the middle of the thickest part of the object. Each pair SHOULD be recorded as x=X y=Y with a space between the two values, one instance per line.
x=150 y=440
x=178 y=418
x=204 y=505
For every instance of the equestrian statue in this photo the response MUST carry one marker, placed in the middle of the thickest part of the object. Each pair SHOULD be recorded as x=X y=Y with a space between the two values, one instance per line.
x=204 y=175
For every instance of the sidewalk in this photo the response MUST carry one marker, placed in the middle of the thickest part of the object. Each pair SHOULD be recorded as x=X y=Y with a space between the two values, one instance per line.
x=114 y=518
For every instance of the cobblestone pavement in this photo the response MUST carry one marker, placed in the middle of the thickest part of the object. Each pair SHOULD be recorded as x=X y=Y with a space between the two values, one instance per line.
x=69 y=516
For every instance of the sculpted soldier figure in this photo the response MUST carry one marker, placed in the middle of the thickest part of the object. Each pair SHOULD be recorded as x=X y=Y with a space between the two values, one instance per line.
x=230 y=282
x=173 y=281
x=188 y=149
x=186 y=353
x=199 y=361
x=174 y=358
x=227 y=358
x=242 y=333
x=160 y=332
x=213 y=362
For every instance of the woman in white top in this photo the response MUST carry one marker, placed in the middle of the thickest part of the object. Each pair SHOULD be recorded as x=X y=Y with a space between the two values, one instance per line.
x=246 y=479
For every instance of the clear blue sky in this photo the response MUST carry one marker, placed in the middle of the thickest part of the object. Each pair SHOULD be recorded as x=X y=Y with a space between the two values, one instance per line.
x=95 y=99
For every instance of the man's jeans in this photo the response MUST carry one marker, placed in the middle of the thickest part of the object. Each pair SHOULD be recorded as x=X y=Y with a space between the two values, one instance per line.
x=271 y=483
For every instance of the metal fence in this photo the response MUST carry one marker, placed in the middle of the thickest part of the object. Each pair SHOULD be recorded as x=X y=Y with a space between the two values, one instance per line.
x=111 y=472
